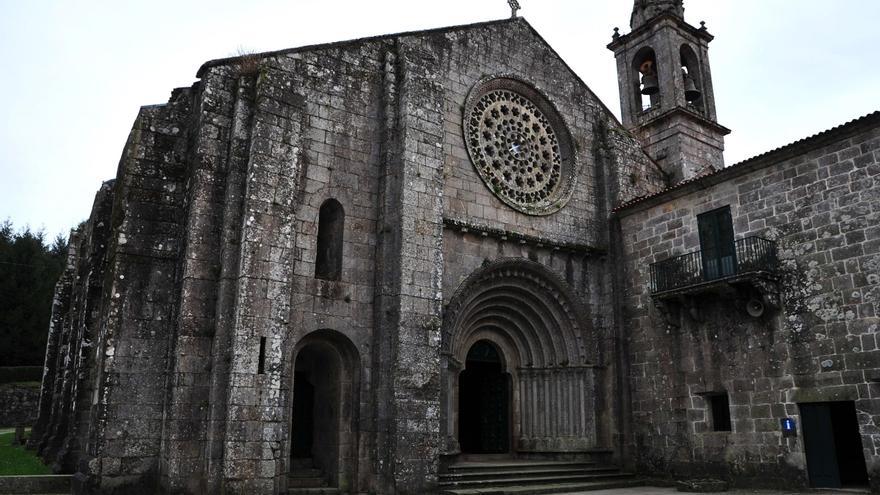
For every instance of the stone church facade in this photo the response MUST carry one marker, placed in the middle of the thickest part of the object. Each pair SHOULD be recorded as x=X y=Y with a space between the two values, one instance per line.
x=386 y=256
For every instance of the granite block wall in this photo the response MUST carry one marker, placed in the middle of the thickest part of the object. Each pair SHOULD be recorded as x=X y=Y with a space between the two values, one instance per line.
x=19 y=404
x=102 y=397
x=817 y=199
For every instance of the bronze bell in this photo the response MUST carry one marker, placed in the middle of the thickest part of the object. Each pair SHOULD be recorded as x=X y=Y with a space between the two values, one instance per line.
x=691 y=93
x=649 y=84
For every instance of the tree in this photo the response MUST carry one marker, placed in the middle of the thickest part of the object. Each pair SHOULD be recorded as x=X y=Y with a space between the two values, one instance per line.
x=29 y=269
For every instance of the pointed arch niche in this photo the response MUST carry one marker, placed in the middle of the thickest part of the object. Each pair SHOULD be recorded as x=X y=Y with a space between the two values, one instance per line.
x=539 y=337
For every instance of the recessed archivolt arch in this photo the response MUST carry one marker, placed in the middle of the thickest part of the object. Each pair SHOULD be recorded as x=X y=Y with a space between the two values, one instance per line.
x=530 y=305
x=546 y=344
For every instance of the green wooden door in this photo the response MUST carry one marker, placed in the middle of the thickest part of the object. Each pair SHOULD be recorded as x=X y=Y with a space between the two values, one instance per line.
x=716 y=243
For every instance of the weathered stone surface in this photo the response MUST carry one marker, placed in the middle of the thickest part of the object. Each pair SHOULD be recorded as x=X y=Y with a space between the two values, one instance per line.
x=19 y=404
x=200 y=344
x=192 y=297
x=680 y=133
x=818 y=347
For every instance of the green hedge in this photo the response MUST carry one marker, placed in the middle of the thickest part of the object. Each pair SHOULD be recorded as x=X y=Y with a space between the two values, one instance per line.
x=11 y=374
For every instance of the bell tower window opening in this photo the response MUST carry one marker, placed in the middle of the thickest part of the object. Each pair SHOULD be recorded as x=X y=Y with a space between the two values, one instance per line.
x=691 y=77
x=646 y=83
x=331 y=224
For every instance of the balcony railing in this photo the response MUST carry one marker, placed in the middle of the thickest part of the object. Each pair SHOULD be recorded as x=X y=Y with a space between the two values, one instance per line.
x=747 y=255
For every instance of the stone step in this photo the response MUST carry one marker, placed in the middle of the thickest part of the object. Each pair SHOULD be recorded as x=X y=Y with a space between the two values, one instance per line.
x=522 y=481
x=517 y=465
x=527 y=470
x=548 y=488
x=307 y=473
x=302 y=463
x=306 y=482
x=313 y=491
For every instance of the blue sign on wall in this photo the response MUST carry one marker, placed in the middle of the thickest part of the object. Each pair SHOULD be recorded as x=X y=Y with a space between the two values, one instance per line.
x=789 y=427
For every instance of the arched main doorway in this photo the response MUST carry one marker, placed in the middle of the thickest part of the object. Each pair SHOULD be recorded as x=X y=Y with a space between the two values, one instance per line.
x=484 y=402
x=323 y=423
x=517 y=320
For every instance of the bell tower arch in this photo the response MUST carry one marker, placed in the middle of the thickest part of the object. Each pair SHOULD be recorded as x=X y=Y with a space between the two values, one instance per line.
x=666 y=94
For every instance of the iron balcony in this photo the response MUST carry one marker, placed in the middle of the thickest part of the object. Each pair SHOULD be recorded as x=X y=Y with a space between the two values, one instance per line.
x=746 y=257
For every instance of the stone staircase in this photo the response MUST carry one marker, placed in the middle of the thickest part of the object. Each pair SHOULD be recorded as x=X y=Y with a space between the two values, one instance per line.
x=306 y=479
x=524 y=477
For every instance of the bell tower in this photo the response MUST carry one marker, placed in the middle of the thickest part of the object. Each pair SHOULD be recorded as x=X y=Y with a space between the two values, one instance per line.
x=666 y=94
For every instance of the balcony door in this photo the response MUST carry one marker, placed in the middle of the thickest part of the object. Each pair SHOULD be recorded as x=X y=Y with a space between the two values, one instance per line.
x=716 y=243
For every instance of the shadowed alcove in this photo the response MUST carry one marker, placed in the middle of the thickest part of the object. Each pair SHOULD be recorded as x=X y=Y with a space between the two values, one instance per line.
x=323 y=413
x=484 y=404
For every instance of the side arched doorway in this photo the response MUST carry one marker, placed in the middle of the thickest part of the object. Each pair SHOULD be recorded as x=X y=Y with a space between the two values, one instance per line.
x=323 y=422
x=516 y=322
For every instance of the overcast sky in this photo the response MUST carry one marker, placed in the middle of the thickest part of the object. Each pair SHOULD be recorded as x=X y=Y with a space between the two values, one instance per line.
x=75 y=72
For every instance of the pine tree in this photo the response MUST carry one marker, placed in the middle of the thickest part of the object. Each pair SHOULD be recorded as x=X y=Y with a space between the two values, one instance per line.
x=29 y=269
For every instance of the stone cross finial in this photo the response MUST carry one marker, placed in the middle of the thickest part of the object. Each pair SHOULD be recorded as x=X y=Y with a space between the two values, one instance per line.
x=514 y=7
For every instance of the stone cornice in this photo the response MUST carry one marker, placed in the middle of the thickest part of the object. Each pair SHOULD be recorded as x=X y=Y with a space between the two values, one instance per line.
x=510 y=236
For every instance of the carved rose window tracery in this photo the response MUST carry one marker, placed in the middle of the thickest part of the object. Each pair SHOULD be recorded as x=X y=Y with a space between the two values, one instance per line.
x=521 y=153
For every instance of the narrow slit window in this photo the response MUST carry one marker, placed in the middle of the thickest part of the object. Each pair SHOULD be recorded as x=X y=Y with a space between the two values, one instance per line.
x=261 y=364
x=331 y=224
x=720 y=405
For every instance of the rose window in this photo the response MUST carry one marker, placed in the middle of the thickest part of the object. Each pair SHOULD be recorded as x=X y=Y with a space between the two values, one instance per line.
x=516 y=148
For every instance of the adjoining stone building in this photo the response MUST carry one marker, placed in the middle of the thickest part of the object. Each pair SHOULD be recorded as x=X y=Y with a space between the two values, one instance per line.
x=377 y=258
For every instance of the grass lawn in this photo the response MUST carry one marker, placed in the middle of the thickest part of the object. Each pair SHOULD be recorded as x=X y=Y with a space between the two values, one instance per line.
x=14 y=459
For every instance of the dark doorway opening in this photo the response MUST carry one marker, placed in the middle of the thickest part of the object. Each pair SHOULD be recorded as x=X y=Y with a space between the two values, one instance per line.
x=303 y=416
x=484 y=402
x=720 y=405
x=315 y=427
x=833 y=445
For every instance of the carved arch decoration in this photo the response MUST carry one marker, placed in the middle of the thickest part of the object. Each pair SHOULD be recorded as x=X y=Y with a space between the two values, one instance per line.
x=537 y=310
x=549 y=348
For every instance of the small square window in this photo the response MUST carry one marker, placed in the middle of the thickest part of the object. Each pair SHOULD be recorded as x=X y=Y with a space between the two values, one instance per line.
x=719 y=406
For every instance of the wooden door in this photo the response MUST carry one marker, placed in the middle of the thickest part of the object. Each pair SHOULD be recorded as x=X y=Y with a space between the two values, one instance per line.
x=716 y=243
x=819 y=446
